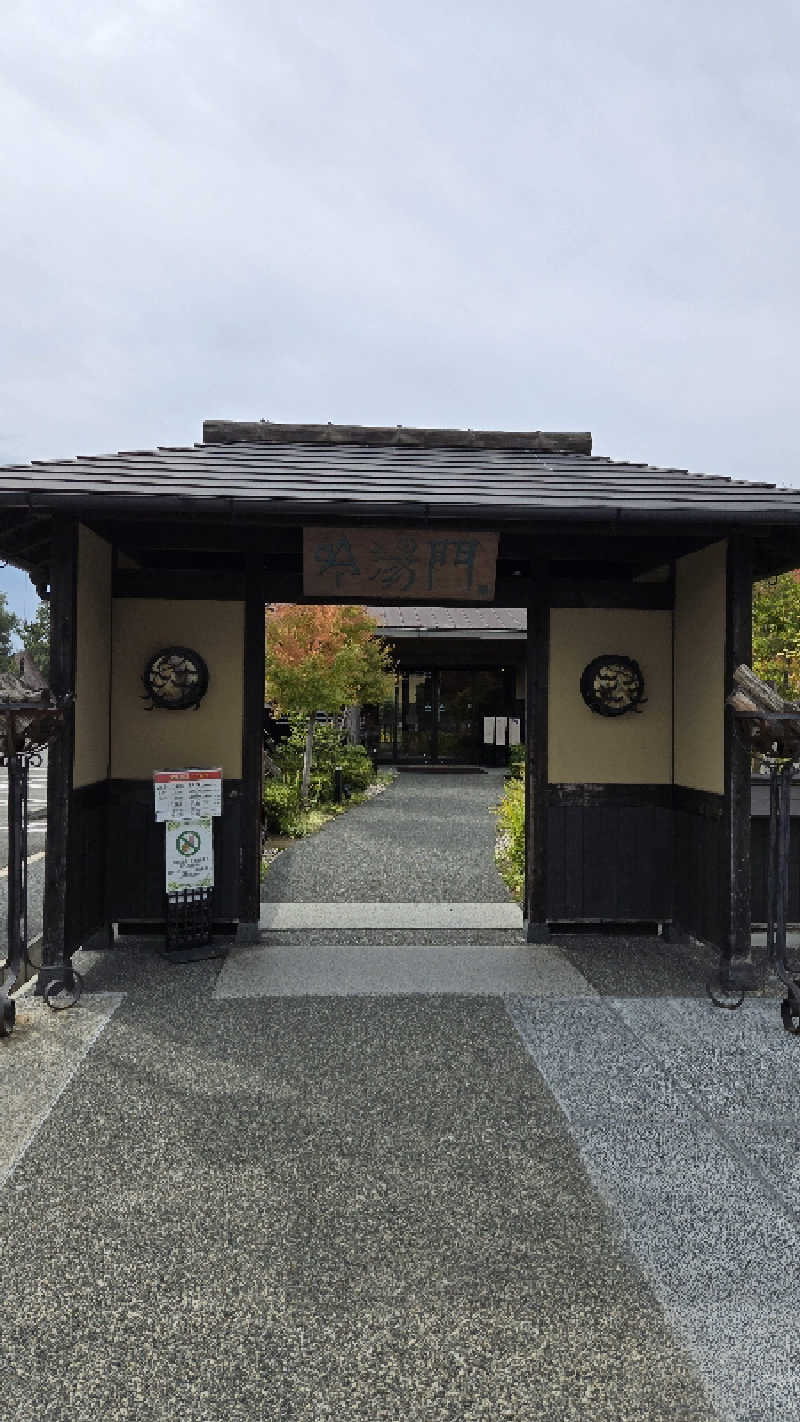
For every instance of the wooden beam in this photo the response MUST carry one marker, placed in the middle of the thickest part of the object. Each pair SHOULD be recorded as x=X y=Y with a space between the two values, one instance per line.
x=209 y=538
x=652 y=543
x=779 y=554
x=597 y=592
x=265 y=432
x=536 y=772
x=281 y=586
x=180 y=586
x=252 y=754
x=63 y=616
x=736 y=821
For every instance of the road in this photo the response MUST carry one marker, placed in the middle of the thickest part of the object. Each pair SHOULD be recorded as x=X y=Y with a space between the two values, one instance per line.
x=37 y=806
x=37 y=830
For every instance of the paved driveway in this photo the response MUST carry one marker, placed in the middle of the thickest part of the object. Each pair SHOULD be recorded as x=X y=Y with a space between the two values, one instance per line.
x=569 y=1199
x=352 y=1207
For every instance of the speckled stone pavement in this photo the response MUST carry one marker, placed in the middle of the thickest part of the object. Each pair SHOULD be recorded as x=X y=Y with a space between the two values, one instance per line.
x=571 y=1201
x=361 y=1208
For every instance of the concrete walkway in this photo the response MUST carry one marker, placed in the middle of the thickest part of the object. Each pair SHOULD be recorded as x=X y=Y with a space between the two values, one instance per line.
x=466 y=1181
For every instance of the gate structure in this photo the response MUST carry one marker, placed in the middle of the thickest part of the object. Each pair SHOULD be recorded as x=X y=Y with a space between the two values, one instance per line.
x=636 y=581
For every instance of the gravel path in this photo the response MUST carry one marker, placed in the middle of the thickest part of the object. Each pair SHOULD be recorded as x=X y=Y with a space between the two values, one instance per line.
x=428 y=838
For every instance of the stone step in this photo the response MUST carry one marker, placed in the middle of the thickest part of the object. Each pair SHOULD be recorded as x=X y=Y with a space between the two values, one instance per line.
x=375 y=970
x=424 y=916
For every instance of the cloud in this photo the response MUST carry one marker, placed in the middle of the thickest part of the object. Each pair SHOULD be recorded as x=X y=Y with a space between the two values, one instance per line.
x=444 y=214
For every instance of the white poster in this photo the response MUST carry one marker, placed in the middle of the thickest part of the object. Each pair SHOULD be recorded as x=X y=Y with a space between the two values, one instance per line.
x=187 y=794
x=500 y=730
x=513 y=730
x=488 y=730
x=190 y=854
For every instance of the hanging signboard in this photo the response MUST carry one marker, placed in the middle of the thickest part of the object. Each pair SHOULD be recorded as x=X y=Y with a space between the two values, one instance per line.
x=402 y=564
x=187 y=794
x=190 y=854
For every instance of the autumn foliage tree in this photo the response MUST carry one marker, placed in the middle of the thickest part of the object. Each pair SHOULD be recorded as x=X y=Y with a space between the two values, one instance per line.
x=322 y=658
x=776 y=633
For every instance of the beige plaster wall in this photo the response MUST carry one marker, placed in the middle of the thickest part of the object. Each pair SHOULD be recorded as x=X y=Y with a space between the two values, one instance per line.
x=143 y=741
x=92 y=659
x=587 y=748
x=700 y=669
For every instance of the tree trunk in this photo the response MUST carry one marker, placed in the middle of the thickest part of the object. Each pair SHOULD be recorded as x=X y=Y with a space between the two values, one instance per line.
x=352 y=724
x=307 y=758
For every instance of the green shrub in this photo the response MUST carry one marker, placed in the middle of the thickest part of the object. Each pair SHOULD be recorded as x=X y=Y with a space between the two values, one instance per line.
x=289 y=753
x=511 y=836
x=357 y=767
x=516 y=762
x=330 y=749
x=281 y=806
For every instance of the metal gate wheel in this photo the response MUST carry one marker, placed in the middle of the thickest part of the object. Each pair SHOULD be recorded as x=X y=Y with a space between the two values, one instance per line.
x=790 y=1016
x=723 y=994
x=64 y=992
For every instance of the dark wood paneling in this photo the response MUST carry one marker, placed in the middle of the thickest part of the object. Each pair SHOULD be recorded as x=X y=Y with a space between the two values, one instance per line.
x=591 y=794
x=700 y=904
x=86 y=862
x=574 y=866
x=592 y=893
x=135 y=863
x=609 y=852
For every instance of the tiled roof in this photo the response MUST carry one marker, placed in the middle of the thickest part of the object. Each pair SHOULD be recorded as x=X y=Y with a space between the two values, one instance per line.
x=310 y=479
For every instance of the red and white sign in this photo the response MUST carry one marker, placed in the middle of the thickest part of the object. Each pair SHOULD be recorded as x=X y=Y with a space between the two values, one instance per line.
x=187 y=794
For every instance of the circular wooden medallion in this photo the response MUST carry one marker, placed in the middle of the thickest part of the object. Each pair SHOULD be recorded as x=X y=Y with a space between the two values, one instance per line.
x=612 y=684
x=176 y=678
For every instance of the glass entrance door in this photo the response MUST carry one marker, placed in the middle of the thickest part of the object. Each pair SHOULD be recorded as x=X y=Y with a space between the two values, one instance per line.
x=415 y=715
x=438 y=713
x=456 y=725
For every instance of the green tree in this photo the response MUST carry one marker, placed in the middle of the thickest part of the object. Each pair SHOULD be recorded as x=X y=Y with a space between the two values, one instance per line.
x=9 y=624
x=776 y=633
x=323 y=658
x=36 y=638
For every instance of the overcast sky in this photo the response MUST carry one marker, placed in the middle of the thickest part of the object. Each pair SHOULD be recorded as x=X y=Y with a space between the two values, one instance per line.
x=515 y=215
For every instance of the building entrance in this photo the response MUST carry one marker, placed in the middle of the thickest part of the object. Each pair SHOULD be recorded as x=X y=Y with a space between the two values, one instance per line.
x=437 y=715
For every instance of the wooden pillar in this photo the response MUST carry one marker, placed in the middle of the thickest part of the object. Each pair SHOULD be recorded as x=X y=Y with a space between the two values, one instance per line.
x=736 y=824
x=252 y=753
x=536 y=776
x=56 y=948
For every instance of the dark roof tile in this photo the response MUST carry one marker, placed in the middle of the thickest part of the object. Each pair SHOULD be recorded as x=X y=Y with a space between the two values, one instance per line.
x=512 y=482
